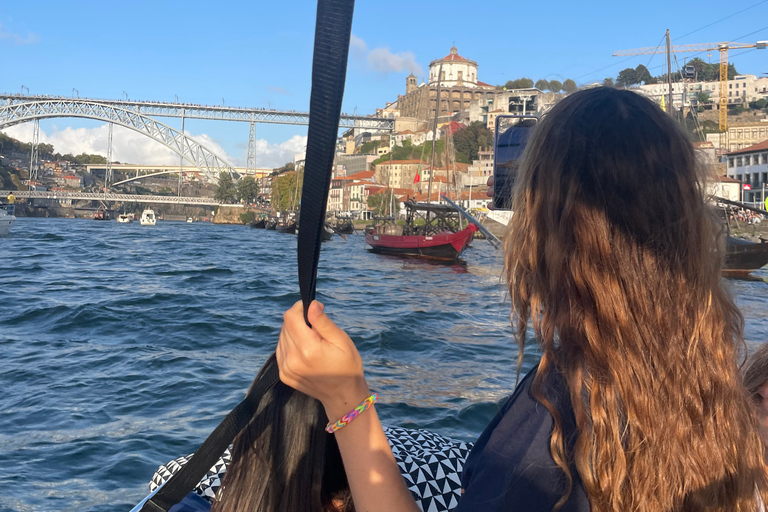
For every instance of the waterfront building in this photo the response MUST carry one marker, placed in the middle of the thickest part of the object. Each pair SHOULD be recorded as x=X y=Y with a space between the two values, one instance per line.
x=458 y=82
x=400 y=173
x=750 y=167
x=742 y=135
x=741 y=89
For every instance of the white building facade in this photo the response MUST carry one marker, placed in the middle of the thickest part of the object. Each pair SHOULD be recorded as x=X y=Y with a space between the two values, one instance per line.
x=750 y=167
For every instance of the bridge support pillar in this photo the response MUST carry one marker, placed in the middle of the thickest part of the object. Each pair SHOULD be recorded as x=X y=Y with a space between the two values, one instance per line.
x=33 y=157
x=250 y=163
x=108 y=170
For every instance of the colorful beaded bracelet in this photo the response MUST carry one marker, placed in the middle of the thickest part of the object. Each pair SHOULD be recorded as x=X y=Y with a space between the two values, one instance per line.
x=354 y=413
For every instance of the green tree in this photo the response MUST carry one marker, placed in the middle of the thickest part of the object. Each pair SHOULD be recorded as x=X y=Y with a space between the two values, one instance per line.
x=542 y=85
x=570 y=86
x=703 y=97
x=520 y=83
x=470 y=139
x=247 y=189
x=758 y=104
x=642 y=75
x=225 y=191
x=285 y=193
x=555 y=86
x=608 y=82
x=627 y=78
x=380 y=202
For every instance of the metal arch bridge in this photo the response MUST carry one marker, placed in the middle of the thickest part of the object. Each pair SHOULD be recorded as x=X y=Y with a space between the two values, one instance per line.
x=16 y=112
x=195 y=111
x=124 y=198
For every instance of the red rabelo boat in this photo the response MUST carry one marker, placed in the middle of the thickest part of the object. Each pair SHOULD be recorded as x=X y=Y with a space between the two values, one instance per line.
x=441 y=237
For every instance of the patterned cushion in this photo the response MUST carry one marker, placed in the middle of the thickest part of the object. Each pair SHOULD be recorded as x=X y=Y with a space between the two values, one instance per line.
x=430 y=464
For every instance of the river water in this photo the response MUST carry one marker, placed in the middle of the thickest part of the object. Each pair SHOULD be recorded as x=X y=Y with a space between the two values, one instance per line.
x=124 y=346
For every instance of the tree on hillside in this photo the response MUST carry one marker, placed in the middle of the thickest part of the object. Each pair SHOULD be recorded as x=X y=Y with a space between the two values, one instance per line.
x=247 y=189
x=626 y=78
x=520 y=83
x=225 y=191
x=380 y=202
x=608 y=82
x=470 y=139
x=703 y=97
x=555 y=86
x=570 y=86
x=642 y=74
x=542 y=85
x=285 y=194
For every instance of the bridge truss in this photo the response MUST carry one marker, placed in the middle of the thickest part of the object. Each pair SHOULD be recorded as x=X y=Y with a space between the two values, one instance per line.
x=222 y=113
x=13 y=112
x=123 y=198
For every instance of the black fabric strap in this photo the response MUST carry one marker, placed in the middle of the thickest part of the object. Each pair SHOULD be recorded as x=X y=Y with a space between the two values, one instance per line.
x=329 y=67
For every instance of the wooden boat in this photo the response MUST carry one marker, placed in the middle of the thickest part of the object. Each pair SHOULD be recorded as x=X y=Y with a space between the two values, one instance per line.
x=327 y=233
x=259 y=224
x=286 y=227
x=344 y=226
x=439 y=238
x=270 y=224
x=101 y=214
x=743 y=257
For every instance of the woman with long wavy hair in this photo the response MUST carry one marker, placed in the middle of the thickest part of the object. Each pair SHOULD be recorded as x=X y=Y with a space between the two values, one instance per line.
x=613 y=264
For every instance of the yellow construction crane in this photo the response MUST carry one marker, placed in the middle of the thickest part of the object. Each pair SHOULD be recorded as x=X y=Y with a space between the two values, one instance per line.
x=703 y=47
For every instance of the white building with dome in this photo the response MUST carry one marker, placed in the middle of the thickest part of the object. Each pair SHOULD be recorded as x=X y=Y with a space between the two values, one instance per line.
x=456 y=71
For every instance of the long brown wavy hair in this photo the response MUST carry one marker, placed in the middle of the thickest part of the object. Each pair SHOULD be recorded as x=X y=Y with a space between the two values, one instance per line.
x=613 y=258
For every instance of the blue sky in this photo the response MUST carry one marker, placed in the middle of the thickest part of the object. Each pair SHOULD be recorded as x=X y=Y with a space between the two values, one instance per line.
x=259 y=54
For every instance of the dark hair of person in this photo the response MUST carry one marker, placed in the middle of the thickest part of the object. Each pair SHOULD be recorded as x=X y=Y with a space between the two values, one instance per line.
x=614 y=259
x=756 y=372
x=284 y=461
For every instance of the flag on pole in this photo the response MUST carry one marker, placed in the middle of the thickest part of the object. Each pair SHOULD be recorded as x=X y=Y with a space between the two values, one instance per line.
x=417 y=178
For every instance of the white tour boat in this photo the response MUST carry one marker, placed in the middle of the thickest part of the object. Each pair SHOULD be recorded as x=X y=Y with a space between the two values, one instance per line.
x=124 y=218
x=148 y=218
x=7 y=218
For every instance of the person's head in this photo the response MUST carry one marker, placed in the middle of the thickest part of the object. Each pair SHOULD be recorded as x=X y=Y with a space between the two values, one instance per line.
x=756 y=382
x=613 y=258
x=284 y=461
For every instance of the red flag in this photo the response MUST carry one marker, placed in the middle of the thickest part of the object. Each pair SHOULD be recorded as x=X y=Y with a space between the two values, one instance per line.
x=417 y=178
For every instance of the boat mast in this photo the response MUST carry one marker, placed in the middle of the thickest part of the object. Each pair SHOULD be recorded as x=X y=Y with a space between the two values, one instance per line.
x=434 y=135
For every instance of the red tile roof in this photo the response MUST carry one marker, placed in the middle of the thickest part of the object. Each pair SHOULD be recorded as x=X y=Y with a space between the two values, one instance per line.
x=760 y=146
x=362 y=175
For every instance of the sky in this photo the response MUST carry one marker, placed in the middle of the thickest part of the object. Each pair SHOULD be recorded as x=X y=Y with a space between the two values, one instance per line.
x=259 y=54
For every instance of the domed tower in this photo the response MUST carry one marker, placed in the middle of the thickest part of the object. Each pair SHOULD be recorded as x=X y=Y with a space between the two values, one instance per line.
x=456 y=71
x=410 y=84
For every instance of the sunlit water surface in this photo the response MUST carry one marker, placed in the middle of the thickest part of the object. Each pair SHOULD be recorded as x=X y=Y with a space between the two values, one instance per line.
x=124 y=346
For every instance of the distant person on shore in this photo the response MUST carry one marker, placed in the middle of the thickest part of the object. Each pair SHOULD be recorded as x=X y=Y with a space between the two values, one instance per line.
x=11 y=198
x=613 y=264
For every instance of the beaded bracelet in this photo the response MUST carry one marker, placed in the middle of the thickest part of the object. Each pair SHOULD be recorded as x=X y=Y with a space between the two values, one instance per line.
x=354 y=413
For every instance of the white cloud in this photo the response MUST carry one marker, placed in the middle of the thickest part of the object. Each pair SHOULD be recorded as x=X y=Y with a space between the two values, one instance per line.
x=129 y=146
x=17 y=38
x=275 y=155
x=383 y=60
x=279 y=90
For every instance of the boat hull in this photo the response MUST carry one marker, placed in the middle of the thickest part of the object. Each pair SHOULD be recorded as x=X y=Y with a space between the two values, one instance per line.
x=743 y=257
x=259 y=224
x=286 y=228
x=5 y=224
x=446 y=247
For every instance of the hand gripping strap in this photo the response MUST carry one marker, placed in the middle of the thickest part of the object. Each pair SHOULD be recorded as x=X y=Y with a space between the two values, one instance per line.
x=332 y=33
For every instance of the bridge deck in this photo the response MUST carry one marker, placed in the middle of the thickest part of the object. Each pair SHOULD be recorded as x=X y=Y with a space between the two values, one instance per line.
x=124 y=198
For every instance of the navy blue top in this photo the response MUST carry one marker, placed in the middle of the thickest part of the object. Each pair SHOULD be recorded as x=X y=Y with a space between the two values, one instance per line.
x=511 y=467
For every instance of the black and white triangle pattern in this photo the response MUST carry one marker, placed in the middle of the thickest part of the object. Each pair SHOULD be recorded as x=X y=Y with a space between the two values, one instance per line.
x=431 y=466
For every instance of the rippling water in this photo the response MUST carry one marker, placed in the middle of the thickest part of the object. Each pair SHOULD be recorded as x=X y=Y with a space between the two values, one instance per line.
x=125 y=345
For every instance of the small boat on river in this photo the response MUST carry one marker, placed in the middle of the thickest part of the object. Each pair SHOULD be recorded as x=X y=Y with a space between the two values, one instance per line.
x=101 y=214
x=124 y=218
x=743 y=257
x=259 y=223
x=344 y=226
x=148 y=218
x=287 y=226
x=441 y=237
x=7 y=218
x=327 y=233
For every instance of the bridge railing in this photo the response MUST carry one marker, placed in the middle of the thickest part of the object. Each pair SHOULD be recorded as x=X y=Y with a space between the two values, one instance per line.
x=124 y=198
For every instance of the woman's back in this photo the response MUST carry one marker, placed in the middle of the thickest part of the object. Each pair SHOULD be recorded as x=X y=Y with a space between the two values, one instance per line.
x=614 y=259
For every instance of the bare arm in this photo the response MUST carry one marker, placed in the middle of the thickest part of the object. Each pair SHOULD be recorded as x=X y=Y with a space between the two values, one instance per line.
x=323 y=363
